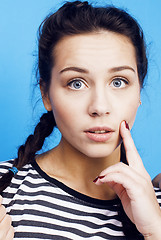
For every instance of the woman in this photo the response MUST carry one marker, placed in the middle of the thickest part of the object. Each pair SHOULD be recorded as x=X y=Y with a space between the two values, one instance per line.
x=92 y=65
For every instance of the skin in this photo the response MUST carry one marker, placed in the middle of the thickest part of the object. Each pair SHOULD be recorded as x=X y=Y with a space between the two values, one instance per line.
x=133 y=185
x=97 y=93
x=97 y=103
x=95 y=83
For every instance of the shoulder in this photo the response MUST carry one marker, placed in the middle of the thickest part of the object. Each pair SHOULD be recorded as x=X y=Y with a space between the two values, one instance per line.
x=5 y=165
x=25 y=179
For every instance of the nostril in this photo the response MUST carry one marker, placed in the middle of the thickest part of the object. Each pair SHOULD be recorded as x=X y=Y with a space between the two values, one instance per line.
x=94 y=114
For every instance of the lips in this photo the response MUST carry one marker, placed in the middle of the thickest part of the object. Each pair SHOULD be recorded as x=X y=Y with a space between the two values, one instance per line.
x=99 y=134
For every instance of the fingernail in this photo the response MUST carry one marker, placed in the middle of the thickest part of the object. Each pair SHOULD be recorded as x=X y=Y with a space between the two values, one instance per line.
x=127 y=125
x=99 y=177
x=95 y=180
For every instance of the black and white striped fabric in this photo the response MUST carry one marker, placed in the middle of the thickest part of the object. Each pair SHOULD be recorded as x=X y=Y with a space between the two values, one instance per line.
x=44 y=208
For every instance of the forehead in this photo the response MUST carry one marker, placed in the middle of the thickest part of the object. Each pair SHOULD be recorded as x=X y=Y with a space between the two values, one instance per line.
x=102 y=47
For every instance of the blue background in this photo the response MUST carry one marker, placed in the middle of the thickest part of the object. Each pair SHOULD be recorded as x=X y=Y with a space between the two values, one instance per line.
x=21 y=106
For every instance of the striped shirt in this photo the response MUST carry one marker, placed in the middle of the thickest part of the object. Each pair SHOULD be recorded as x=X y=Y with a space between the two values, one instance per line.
x=43 y=208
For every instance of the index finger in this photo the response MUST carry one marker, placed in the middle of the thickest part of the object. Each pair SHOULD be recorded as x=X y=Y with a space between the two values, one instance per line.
x=132 y=155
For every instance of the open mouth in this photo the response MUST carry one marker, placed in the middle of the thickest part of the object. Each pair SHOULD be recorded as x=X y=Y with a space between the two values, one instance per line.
x=99 y=134
x=99 y=131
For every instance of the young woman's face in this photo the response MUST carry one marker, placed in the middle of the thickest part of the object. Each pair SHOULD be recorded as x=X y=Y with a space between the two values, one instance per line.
x=94 y=87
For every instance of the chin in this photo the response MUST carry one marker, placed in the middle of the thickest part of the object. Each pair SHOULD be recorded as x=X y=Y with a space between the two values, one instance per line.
x=98 y=155
x=99 y=152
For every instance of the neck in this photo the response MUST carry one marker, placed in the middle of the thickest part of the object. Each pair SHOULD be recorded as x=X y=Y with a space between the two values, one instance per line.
x=82 y=166
x=78 y=170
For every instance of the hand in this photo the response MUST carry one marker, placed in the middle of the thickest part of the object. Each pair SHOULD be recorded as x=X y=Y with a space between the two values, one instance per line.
x=133 y=186
x=157 y=181
x=6 y=230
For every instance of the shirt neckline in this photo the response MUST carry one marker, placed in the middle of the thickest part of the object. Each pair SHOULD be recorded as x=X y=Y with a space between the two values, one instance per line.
x=74 y=193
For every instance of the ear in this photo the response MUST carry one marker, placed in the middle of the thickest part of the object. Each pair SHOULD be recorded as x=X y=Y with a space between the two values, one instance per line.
x=45 y=97
x=140 y=103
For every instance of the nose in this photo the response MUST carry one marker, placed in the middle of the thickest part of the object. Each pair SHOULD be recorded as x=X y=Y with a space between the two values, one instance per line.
x=100 y=103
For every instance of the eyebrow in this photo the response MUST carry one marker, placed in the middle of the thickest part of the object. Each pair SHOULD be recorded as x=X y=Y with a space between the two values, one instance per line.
x=75 y=69
x=121 y=68
x=83 y=70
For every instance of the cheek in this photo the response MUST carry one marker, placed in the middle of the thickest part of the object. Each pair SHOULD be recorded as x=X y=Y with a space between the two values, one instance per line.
x=66 y=113
x=61 y=114
x=130 y=111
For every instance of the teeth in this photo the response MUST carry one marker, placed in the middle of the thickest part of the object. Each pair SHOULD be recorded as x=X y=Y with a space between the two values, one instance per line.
x=101 y=131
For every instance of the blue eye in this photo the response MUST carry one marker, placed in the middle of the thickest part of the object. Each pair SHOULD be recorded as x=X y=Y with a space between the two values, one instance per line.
x=76 y=84
x=119 y=83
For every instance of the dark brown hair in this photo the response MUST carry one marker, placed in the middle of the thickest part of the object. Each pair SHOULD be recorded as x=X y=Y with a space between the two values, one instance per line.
x=71 y=19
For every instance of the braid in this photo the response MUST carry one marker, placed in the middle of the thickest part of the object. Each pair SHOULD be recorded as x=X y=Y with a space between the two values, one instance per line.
x=34 y=143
